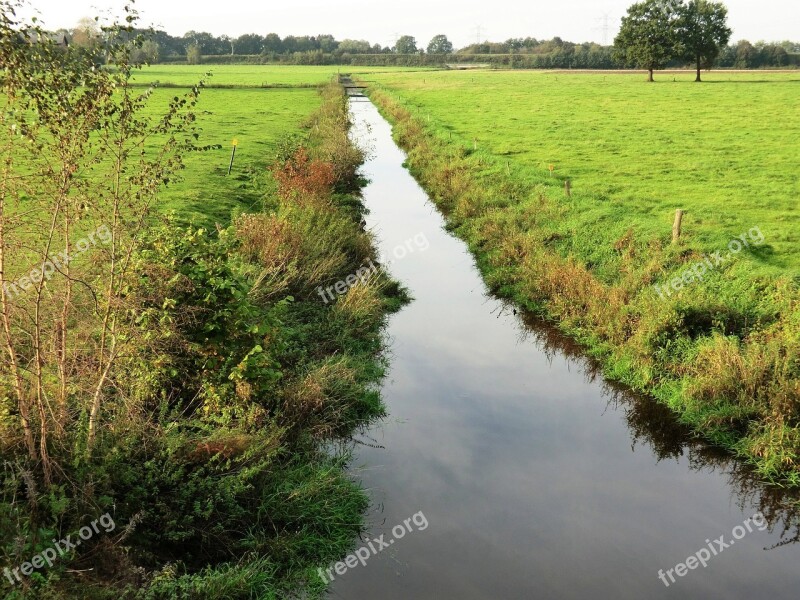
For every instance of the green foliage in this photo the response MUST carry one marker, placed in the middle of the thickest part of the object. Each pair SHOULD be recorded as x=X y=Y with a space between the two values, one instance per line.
x=406 y=44
x=657 y=31
x=701 y=32
x=232 y=381
x=647 y=36
x=193 y=54
x=439 y=44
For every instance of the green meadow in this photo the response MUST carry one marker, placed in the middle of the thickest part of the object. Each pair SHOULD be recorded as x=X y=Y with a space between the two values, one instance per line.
x=258 y=120
x=251 y=75
x=258 y=105
x=725 y=151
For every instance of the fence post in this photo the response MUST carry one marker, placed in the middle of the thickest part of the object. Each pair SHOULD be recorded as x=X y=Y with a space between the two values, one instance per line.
x=676 y=226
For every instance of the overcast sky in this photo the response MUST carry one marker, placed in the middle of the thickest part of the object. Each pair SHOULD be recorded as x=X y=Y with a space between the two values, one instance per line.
x=380 y=21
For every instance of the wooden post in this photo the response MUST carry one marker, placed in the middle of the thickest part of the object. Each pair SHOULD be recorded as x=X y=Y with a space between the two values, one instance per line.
x=568 y=188
x=234 y=143
x=233 y=155
x=676 y=226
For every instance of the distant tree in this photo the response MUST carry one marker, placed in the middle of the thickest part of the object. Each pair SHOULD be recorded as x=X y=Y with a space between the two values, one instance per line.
x=193 y=54
x=273 y=43
x=168 y=45
x=790 y=47
x=406 y=44
x=249 y=43
x=86 y=33
x=354 y=47
x=327 y=43
x=209 y=44
x=306 y=44
x=289 y=44
x=147 y=51
x=440 y=45
x=152 y=51
x=224 y=45
x=702 y=30
x=646 y=38
x=745 y=55
x=770 y=55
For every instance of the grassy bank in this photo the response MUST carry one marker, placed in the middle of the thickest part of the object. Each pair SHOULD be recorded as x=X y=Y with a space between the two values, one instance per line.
x=213 y=451
x=721 y=352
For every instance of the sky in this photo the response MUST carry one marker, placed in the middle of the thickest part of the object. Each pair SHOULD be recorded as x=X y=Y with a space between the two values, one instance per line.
x=380 y=21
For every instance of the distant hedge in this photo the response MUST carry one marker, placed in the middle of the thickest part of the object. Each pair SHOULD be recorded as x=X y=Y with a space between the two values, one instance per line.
x=580 y=59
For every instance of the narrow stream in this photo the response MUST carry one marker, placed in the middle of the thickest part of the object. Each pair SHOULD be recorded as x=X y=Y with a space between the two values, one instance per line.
x=535 y=477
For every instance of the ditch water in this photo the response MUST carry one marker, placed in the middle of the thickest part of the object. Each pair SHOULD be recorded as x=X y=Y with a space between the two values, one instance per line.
x=535 y=477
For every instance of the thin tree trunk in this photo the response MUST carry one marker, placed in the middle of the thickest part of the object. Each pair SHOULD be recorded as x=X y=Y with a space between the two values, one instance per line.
x=5 y=308
x=61 y=332
x=39 y=323
x=697 y=80
x=650 y=78
x=97 y=401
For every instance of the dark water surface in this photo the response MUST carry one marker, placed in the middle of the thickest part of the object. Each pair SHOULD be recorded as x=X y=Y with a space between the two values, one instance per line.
x=536 y=478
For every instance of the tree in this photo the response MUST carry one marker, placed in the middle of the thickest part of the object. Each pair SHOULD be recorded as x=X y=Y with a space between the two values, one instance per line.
x=249 y=43
x=406 y=44
x=193 y=54
x=289 y=44
x=148 y=52
x=86 y=33
x=72 y=141
x=168 y=45
x=354 y=47
x=208 y=43
x=646 y=38
x=327 y=43
x=745 y=55
x=701 y=31
x=273 y=43
x=440 y=45
x=306 y=44
x=224 y=44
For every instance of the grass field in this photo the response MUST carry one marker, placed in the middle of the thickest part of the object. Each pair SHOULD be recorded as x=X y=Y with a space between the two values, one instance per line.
x=258 y=119
x=237 y=109
x=252 y=75
x=726 y=151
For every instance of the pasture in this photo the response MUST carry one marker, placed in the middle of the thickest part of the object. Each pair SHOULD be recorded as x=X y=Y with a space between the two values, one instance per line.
x=258 y=105
x=726 y=151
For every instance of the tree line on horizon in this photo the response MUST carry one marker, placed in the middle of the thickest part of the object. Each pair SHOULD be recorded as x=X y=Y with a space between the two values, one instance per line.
x=195 y=47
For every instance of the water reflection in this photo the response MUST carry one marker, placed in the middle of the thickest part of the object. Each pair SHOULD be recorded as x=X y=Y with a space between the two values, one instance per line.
x=655 y=427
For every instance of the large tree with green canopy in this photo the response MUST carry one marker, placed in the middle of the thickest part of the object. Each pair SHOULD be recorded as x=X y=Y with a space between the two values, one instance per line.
x=702 y=30
x=647 y=36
